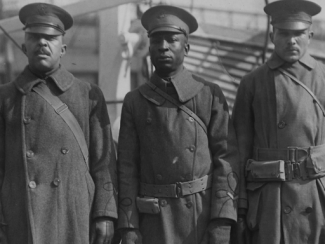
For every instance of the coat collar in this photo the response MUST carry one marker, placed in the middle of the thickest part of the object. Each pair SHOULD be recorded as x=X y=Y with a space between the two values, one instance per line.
x=27 y=80
x=275 y=61
x=185 y=85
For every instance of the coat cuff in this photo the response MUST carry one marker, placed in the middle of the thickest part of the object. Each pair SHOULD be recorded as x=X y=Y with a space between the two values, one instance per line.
x=224 y=204
x=128 y=215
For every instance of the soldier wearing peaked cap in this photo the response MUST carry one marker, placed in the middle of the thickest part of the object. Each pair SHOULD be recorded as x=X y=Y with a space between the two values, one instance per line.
x=177 y=165
x=57 y=160
x=279 y=119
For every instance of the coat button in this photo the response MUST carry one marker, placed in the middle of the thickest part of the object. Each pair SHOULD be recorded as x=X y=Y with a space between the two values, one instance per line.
x=64 y=150
x=191 y=119
x=26 y=120
x=192 y=148
x=149 y=120
x=189 y=204
x=159 y=177
x=29 y=154
x=163 y=202
x=309 y=210
x=282 y=124
x=287 y=210
x=56 y=182
x=32 y=184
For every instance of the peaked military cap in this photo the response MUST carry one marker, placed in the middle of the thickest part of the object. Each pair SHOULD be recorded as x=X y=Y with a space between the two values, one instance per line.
x=292 y=14
x=45 y=18
x=168 y=18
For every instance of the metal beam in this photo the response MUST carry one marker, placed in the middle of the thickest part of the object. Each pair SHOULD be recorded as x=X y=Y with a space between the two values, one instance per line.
x=13 y=24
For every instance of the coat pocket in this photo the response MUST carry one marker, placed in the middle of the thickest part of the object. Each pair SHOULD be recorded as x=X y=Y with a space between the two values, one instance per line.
x=265 y=170
x=254 y=192
x=315 y=163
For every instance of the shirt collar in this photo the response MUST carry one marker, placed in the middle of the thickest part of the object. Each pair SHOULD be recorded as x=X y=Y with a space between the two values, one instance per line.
x=186 y=87
x=27 y=80
x=275 y=61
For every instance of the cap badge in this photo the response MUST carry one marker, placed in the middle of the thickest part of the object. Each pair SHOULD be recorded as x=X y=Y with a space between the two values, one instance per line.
x=42 y=9
x=161 y=15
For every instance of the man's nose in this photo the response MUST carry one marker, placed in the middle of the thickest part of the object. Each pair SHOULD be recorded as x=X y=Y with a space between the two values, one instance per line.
x=42 y=41
x=292 y=40
x=163 y=45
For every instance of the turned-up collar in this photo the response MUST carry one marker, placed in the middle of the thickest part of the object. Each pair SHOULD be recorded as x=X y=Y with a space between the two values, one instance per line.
x=186 y=87
x=27 y=80
x=275 y=61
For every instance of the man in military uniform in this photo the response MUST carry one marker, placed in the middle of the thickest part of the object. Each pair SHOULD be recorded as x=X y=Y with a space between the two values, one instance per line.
x=177 y=165
x=56 y=176
x=279 y=119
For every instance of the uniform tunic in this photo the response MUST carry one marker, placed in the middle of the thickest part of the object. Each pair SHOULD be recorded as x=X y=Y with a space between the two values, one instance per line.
x=48 y=195
x=272 y=111
x=160 y=144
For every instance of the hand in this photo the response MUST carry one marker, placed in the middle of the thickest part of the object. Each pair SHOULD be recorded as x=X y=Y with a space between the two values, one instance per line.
x=217 y=232
x=102 y=231
x=131 y=236
x=3 y=237
x=243 y=233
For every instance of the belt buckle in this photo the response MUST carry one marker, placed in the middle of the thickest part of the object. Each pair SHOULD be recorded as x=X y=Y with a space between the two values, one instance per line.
x=292 y=154
x=179 y=192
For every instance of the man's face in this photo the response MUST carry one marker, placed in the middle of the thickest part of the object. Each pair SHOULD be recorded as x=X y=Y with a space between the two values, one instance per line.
x=43 y=51
x=167 y=51
x=291 y=45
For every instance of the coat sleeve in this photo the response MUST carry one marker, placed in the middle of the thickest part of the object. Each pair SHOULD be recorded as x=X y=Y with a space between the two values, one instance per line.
x=102 y=159
x=128 y=171
x=243 y=119
x=223 y=146
x=2 y=162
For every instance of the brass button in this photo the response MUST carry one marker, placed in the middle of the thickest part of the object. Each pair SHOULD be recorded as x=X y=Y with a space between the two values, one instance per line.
x=309 y=210
x=189 y=204
x=192 y=148
x=191 y=119
x=26 y=120
x=56 y=182
x=287 y=210
x=149 y=120
x=30 y=154
x=159 y=177
x=64 y=150
x=282 y=124
x=32 y=184
x=163 y=202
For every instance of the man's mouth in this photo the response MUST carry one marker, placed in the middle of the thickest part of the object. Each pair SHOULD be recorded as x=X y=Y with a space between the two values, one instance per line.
x=164 y=58
x=42 y=52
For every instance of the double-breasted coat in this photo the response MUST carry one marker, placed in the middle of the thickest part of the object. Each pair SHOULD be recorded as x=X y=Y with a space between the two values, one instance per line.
x=160 y=144
x=48 y=195
x=273 y=111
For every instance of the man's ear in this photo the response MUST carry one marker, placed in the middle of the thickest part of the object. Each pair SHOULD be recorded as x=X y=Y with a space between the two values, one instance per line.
x=63 y=50
x=187 y=48
x=271 y=36
x=23 y=47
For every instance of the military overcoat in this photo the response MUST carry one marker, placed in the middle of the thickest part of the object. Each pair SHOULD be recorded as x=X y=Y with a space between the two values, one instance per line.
x=160 y=144
x=273 y=111
x=48 y=194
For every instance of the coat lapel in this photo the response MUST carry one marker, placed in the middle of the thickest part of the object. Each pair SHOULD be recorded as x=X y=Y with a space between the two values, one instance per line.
x=27 y=80
x=186 y=87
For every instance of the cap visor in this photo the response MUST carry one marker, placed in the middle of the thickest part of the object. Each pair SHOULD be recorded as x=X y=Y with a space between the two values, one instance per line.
x=165 y=29
x=297 y=25
x=43 y=30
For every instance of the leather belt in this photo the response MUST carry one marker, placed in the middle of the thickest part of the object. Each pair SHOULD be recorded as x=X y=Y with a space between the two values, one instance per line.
x=294 y=157
x=293 y=154
x=177 y=190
